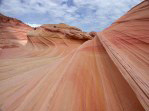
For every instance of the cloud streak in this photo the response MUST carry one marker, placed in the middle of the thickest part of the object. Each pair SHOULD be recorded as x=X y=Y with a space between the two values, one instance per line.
x=33 y=25
x=89 y=15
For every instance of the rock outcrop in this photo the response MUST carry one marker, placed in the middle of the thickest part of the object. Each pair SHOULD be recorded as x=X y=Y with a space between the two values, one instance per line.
x=9 y=21
x=59 y=31
x=12 y=32
x=61 y=68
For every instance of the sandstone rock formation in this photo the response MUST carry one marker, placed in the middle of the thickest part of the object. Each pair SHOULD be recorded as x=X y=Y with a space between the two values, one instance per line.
x=61 y=68
x=12 y=32
x=59 y=31
x=127 y=43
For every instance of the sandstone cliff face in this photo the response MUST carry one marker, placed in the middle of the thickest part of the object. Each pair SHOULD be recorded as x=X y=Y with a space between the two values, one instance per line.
x=61 y=68
x=127 y=42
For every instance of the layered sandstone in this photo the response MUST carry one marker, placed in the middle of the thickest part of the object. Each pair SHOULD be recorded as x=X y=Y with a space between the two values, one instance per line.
x=12 y=32
x=59 y=31
x=127 y=43
x=61 y=68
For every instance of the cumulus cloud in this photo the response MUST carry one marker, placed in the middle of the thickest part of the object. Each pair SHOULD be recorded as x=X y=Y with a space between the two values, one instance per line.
x=89 y=15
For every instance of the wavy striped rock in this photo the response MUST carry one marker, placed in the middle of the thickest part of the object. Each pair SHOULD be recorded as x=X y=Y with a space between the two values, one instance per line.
x=127 y=43
x=61 y=68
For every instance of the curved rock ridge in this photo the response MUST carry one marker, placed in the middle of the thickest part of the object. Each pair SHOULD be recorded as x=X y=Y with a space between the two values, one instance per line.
x=4 y=20
x=12 y=32
x=61 y=26
x=127 y=43
x=59 y=31
x=61 y=68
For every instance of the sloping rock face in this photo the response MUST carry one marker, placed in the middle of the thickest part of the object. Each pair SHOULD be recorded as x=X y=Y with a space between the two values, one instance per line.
x=12 y=32
x=61 y=68
x=127 y=43
x=13 y=36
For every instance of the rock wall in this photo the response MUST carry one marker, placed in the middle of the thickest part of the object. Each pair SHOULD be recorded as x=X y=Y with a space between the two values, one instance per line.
x=127 y=43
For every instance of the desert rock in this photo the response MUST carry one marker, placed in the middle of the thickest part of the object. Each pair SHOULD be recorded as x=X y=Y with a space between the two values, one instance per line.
x=61 y=68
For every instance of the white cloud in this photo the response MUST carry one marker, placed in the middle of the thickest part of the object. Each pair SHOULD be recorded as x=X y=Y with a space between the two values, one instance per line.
x=86 y=14
x=33 y=25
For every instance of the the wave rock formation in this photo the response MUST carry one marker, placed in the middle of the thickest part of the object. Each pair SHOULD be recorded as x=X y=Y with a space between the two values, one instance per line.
x=56 y=67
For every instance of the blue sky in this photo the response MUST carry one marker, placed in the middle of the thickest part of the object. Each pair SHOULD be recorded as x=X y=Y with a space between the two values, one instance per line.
x=88 y=15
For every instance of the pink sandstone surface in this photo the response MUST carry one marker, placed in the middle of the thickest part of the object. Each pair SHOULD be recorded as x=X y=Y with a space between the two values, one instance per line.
x=56 y=67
